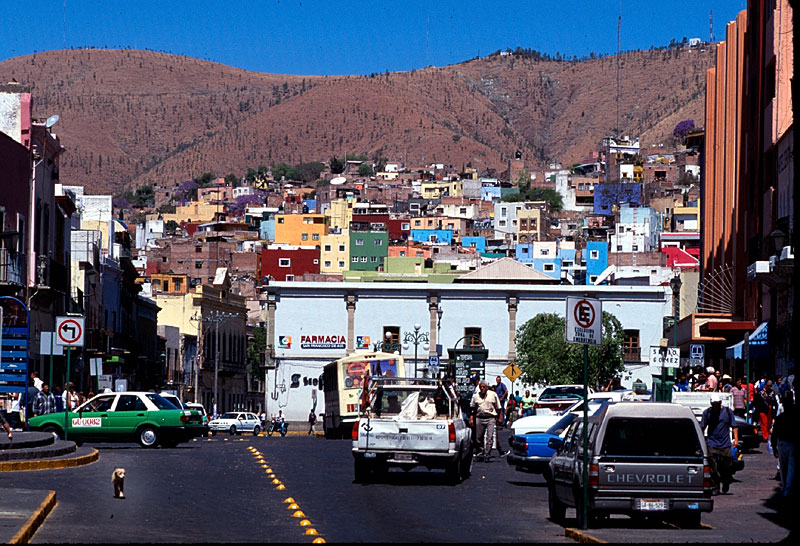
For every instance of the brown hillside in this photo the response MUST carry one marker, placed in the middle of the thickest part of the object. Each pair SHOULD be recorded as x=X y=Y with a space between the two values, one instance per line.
x=131 y=116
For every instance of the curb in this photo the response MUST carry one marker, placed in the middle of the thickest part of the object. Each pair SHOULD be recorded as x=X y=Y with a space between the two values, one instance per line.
x=50 y=464
x=24 y=535
x=580 y=536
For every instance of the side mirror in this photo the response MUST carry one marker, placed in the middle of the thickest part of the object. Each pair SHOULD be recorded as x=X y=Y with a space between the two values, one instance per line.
x=555 y=443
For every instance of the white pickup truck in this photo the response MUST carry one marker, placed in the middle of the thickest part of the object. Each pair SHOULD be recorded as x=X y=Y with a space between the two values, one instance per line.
x=407 y=422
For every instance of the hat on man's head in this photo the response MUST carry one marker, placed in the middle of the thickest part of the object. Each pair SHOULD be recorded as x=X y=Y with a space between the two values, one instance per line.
x=710 y=369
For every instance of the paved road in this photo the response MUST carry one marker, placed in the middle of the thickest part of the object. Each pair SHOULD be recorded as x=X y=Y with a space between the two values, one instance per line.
x=216 y=491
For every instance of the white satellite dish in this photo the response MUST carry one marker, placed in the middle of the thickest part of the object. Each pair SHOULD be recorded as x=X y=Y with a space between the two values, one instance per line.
x=338 y=180
x=52 y=120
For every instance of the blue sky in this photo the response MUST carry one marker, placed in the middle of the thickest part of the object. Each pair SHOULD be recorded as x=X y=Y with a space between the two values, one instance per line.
x=352 y=36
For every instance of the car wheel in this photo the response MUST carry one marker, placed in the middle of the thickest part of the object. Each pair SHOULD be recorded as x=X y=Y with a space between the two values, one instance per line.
x=148 y=436
x=232 y=430
x=453 y=470
x=54 y=430
x=557 y=509
x=360 y=471
x=466 y=465
x=256 y=430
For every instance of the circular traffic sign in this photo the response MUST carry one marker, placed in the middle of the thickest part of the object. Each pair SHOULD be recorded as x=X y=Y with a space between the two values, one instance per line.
x=70 y=331
x=584 y=314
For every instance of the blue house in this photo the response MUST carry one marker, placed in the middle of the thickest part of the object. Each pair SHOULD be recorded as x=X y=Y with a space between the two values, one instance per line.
x=432 y=235
x=606 y=196
x=479 y=243
x=596 y=258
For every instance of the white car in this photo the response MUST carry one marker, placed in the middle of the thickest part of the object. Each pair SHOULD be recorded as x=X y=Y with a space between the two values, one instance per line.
x=236 y=422
x=543 y=420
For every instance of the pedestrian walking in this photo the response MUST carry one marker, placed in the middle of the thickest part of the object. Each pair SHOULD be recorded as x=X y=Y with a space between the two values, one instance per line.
x=44 y=402
x=739 y=398
x=527 y=403
x=486 y=409
x=784 y=441
x=717 y=423
x=502 y=394
x=6 y=426
x=72 y=396
x=312 y=420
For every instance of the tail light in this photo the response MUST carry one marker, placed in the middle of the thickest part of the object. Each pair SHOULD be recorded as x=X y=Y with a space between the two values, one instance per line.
x=594 y=475
x=537 y=405
x=184 y=418
x=451 y=429
x=354 y=434
x=707 y=477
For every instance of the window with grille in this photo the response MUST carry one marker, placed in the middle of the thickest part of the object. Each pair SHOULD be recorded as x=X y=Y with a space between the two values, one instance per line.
x=630 y=346
x=472 y=337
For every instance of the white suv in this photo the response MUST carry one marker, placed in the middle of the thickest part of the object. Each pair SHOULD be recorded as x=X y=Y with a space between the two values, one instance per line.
x=236 y=422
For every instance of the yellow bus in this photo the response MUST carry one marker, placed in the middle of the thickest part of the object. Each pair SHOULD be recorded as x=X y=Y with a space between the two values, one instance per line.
x=343 y=380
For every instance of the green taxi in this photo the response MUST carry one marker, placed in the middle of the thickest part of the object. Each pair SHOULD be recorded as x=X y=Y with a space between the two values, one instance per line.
x=143 y=417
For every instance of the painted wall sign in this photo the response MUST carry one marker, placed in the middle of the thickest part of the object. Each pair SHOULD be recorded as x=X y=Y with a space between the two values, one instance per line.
x=323 y=342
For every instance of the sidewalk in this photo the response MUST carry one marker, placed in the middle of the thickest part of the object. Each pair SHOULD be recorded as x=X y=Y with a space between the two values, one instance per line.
x=753 y=511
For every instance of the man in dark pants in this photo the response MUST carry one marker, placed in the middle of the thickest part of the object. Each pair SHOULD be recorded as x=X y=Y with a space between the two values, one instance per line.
x=719 y=422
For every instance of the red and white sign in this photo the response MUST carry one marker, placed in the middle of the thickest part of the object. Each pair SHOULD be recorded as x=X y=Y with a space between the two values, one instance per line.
x=92 y=422
x=584 y=321
x=69 y=331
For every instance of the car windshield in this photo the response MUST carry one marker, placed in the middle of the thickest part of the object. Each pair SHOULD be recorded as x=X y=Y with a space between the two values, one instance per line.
x=651 y=437
x=561 y=425
x=551 y=393
x=160 y=402
x=229 y=416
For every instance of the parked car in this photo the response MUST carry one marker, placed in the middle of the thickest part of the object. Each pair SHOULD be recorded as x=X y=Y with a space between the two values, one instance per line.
x=545 y=419
x=199 y=408
x=144 y=417
x=235 y=422
x=644 y=459
x=531 y=451
x=559 y=397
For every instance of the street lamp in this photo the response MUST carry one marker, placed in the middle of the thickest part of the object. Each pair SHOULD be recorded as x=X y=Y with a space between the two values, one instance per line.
x=217 y=318
x=416 y=338
x=387 y=346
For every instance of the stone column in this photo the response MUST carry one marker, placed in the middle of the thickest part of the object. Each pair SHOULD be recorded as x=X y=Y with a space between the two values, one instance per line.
x=350 y=302
x=512 y=302
x=433 y=308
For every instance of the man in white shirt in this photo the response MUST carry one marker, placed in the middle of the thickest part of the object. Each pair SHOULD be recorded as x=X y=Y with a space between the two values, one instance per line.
x=486 y=412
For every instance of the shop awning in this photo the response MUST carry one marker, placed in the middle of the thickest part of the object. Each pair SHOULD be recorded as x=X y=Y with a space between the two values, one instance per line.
x=757 y=341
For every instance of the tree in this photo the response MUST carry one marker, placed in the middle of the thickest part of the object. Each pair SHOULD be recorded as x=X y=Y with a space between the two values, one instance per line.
x=205 y=179
x=337 y=165
x=365 y=169
x=546 y=358
x=682 y=129
x=255 y=349
x=309 y=172
x=171 y=226
x=282 y=170
x=233 y=180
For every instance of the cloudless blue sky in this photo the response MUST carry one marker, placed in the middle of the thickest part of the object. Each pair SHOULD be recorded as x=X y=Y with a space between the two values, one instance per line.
x=353 y=36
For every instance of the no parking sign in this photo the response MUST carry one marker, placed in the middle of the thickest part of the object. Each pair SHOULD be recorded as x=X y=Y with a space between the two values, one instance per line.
x=584 y=321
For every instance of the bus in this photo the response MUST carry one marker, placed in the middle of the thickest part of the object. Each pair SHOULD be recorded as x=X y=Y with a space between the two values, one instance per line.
x=342 y=382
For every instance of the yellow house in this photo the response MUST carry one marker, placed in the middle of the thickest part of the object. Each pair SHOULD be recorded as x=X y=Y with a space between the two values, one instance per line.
x=300 y=229
x=435 y=190
x=685 y=218
x=340 y=213
x=194 y=211
x=334 y=252
x=529 y=225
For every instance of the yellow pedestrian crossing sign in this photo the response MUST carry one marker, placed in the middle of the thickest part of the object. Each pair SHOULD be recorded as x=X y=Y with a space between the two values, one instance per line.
x=512 y=371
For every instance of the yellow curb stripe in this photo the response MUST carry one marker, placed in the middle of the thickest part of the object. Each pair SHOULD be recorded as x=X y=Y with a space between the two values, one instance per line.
x=24 y=535
x=50 y=464
x=580 y=536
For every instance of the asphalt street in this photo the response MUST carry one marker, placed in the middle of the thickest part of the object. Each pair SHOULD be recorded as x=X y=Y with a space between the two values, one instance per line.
x=220 y=490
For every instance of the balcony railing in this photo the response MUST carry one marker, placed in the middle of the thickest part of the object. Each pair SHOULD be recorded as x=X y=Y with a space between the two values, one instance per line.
x=12 y=267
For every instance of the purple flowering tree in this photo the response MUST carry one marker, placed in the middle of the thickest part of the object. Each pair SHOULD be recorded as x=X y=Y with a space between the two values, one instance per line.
x=682 y=129
x=240 y=203
x=187 y=190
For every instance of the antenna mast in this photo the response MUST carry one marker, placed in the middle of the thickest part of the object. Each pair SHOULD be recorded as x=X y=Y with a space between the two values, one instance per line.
x=619 y=27
x=711 y=26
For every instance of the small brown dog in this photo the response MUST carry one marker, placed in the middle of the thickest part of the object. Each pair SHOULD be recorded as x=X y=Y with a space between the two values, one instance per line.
x=118 y=479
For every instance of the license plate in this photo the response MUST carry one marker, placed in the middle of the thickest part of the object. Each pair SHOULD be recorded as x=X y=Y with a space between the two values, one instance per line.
x=652 y=505
x=403 y=457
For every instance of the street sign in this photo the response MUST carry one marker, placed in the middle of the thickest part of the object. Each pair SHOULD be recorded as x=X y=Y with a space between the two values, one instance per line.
x=697 y=351
x=105 y=382
x=433 y=365
x=666 y=357
x=48 y=345
x=69 y=331
x=584 y=321
x=512 y=371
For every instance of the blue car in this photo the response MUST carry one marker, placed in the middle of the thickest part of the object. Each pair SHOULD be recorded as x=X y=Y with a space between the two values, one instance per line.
x=532 y=452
